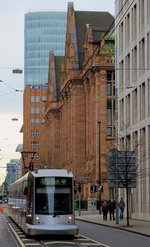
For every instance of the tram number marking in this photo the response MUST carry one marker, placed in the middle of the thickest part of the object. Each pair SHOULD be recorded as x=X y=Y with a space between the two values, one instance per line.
x=53 y=181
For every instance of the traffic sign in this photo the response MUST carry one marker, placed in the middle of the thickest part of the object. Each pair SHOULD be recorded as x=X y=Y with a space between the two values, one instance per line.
x=83 y=179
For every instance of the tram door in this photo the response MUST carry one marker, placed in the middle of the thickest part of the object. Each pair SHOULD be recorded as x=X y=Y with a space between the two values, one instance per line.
x=29 y=205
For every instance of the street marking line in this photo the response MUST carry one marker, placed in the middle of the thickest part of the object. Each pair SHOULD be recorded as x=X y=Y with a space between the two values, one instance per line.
x=104 y=245
x=95 y=244
x=26 y=239
x=18 y=239
x=33 y=244
x=59 y=242
x=82 y=239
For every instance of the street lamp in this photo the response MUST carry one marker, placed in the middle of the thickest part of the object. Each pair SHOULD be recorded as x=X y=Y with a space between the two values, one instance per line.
x=17 y=71
x=99 y=166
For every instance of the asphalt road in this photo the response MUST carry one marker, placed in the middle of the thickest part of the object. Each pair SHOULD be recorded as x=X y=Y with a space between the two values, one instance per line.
x=6 y=238
x=112 y=237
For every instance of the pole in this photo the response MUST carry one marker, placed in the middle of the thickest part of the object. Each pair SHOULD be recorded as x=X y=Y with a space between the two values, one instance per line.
x=116 y=190
x=99 y=177
x=127 y=191
x=79 y=203
x=127 y=195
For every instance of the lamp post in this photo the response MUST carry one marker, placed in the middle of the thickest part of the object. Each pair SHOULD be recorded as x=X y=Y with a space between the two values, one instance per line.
x=99 y=166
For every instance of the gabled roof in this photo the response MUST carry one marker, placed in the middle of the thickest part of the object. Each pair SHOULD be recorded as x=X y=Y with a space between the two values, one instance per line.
x=58 y=62
x=99 y=20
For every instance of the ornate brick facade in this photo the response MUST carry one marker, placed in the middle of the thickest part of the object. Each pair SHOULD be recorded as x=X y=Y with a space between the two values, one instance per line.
x=70 y=138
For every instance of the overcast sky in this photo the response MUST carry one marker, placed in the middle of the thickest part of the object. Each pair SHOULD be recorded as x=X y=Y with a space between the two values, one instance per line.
x=12 y=56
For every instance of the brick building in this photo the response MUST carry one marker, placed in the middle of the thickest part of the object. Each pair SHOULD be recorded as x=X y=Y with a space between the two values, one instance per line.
x=33 y=115
x=79 y=116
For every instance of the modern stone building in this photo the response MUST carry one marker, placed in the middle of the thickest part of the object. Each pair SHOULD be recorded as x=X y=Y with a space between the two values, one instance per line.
x=133 y=79
x=79 y=116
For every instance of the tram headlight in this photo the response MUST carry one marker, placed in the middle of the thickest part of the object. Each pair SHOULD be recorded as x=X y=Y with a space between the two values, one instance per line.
x=69 y=219
x=37 y=219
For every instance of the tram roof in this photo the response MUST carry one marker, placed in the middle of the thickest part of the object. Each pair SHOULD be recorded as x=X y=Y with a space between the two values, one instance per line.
x=52 y=172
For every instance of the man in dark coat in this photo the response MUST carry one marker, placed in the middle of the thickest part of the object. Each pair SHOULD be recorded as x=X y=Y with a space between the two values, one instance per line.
x=105 y=210
x=112 y=207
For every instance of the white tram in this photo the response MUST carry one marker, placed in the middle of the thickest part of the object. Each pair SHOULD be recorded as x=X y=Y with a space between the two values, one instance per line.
x=41 y=202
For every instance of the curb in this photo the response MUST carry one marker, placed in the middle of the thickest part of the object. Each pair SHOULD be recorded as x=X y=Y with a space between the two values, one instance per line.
x=115 y=227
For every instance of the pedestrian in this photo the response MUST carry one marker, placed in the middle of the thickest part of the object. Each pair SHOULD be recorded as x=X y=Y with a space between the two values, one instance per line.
x=105 y=210
x=121 y=206
x=112 y=207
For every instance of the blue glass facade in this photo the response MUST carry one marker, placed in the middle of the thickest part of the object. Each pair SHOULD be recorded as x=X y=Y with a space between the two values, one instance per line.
x=44 y=32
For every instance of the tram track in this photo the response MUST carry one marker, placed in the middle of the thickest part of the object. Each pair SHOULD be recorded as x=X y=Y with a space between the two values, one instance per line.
x=47 y=241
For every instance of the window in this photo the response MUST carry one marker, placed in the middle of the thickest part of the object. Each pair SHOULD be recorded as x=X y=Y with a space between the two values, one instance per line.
x=32 y=99
x=110 y=83
x=32 y=121
x=134 y=22
x=148 y=11
x=34 y=145
x=43 y=121
x=110 y=117
x=141 y=14
x=108 y=88
x=37 y=110
x=142 y=57
x=128 y=120
x=121 y=119
x=127 y=30
x=32 y=110
x=34 y=156
x=142 y=101
x=43 y=98
x=121 y=29
x=53 y=197
x=148 y=50
x=37 y=121
x=37 y=132
x=109 y=112
x=148 y=98
x=37 y=98
x=127 y=70
x=134 y=64
x=32 y=133
x=121 y=76
x=134 y=106
x=110 y=103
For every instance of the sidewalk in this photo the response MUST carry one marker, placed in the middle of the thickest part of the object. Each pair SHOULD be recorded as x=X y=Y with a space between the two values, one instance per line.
x=136 y=226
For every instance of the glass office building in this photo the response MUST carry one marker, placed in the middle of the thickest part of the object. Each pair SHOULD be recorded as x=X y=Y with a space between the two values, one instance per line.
x=44 y=32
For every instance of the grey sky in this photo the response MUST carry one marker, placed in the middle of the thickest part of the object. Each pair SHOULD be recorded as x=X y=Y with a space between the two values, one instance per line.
x=12 y=39
x=12 y=56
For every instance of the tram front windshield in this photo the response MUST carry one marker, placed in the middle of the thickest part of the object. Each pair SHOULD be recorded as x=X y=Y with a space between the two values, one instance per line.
x=53 y=195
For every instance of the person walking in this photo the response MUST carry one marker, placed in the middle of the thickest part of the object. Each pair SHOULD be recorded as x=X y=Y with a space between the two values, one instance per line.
x=112 y=207
x=121 y=206
x=105 y=210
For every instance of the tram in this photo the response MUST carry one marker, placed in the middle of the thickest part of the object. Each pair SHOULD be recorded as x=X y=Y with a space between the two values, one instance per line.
x=42 y=202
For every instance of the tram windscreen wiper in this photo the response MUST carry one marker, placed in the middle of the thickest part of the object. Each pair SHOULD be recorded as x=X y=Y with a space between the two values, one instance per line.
x=56 y=214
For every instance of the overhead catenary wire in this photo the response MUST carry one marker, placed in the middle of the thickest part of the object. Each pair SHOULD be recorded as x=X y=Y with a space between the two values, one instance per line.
x=98 y=49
